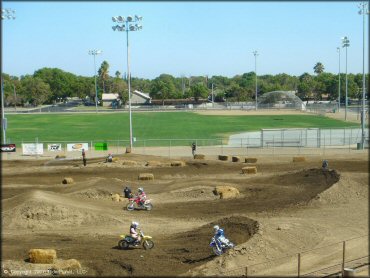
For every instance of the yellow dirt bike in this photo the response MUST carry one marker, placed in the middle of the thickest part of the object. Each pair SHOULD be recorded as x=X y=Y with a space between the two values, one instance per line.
x=128 y=241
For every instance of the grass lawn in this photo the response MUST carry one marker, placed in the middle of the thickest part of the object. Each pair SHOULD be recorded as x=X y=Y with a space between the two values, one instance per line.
x=150 y=125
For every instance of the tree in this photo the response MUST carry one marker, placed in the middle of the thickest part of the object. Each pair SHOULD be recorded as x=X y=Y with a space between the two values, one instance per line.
x=198 y=91
x=318 y=68
x=35 y=90
x=103 y=73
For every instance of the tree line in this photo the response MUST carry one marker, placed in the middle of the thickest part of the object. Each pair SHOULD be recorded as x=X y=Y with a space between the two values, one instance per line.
x=53 y=85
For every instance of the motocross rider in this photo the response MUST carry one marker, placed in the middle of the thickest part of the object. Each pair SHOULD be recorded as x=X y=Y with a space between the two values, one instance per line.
x=219 y=235
x=141 y=195
x=133 y=232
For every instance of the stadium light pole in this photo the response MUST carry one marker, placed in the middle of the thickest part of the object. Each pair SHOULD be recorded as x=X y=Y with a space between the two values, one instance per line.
x=338 y=50
x=345 y=43
x=364 y=11
x=95 y=52
x=5 y=14
x=128 y=24
x=255 y=53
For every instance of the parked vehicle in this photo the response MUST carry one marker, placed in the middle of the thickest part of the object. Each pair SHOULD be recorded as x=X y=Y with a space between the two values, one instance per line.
x=128 y=241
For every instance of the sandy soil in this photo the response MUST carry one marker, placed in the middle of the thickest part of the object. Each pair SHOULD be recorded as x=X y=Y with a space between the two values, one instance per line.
x=284 y=209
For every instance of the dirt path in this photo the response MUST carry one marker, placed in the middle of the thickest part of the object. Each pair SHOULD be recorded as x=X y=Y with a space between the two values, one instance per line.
x=285 y=208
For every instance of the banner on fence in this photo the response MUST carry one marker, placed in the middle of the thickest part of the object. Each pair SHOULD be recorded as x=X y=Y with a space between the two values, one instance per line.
x=54 y=147
x=32 y=149
x=8 y=147
x=77 y=147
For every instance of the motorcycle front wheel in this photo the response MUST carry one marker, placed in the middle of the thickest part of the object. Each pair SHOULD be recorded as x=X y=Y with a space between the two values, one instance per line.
x=123 y=244
x=130 y=207
x=148 y=244
x=216 y=251
x=149 y=206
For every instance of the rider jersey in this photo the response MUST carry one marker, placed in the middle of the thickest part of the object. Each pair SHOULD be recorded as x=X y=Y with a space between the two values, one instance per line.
x=219 y=233
x=133 y=231
x=142 y=196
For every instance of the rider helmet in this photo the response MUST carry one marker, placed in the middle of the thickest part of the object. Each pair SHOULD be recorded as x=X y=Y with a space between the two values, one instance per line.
x=140 y=189
x=134 y=224
x=216 y=228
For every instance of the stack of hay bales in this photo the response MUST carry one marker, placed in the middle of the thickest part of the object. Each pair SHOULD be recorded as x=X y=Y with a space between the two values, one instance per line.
x=299 y=159
x=59 y=156
x=146 y=176
x=249 y=170
x=226 y=192
x=129 y=163
x=117 y=198
x=223 y=157
x=42 y=256
x=178 y=163
x=250 y=160
x=199 y=156
x=235 y=159
x=66 y=265
x=67 y=181
x=153 y=163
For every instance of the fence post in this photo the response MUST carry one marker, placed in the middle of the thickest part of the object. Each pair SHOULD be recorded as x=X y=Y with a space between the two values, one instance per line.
x=222 y=147
x=299 y=264
x=169 y=150
x=344 y=257
x=246 y=271
x=145 y=146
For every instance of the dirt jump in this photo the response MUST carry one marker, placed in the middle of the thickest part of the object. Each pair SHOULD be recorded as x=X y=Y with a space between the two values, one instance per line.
x=283 y=208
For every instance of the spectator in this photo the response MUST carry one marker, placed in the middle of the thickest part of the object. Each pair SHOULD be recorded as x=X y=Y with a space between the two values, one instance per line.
x=83 y=157
x=193 y=148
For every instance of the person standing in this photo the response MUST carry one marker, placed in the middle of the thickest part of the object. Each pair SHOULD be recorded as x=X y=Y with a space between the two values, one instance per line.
x=193 y=148
x=83 y=157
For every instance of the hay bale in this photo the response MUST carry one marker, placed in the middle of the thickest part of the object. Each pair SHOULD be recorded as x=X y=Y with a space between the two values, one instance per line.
x=68 y=181
x=226 y=192
x=178 y=163
x=153 y=163
x=117 y=198
x=223 y=157
x=128 y=149
x=129 y=163
x=299 y=159
x=249 y=170
x=66 y=265
x=42 y=256
x=114 y=159
x=199 y=156
x=235 y=159
x=60 y=156
x=146 y=176
x=251 y=160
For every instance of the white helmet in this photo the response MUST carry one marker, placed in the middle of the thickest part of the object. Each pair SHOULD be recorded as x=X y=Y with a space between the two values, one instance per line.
x=216 y=228
x=134 y=224
x=140 y=189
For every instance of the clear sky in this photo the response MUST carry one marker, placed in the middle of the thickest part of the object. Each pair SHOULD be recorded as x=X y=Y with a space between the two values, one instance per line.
x=184 y=38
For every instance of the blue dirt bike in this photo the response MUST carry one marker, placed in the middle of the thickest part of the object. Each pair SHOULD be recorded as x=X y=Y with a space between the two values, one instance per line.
x=220 y=247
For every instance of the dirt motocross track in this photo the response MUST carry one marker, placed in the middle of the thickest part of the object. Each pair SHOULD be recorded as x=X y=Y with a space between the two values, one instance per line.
x=81 y=221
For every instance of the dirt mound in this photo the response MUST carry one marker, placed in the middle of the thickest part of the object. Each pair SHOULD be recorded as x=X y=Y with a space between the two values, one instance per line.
x=51 y=211
x=195 y=243
x=94 y=193
x=307 y=177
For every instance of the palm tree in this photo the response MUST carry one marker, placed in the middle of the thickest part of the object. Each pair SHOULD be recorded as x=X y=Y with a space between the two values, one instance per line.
x=104 y=73
x=318 y=68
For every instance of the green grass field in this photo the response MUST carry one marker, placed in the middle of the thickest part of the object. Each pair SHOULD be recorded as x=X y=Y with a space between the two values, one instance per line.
x=149 y=125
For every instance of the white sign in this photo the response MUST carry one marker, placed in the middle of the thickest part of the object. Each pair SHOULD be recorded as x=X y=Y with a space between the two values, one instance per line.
x=77 y=147
x=32 y=149
x=54 y=147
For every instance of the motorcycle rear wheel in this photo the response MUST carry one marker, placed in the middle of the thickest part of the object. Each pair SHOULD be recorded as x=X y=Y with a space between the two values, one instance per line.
x=123 y=244
x=130 y=207
x=148 y=244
